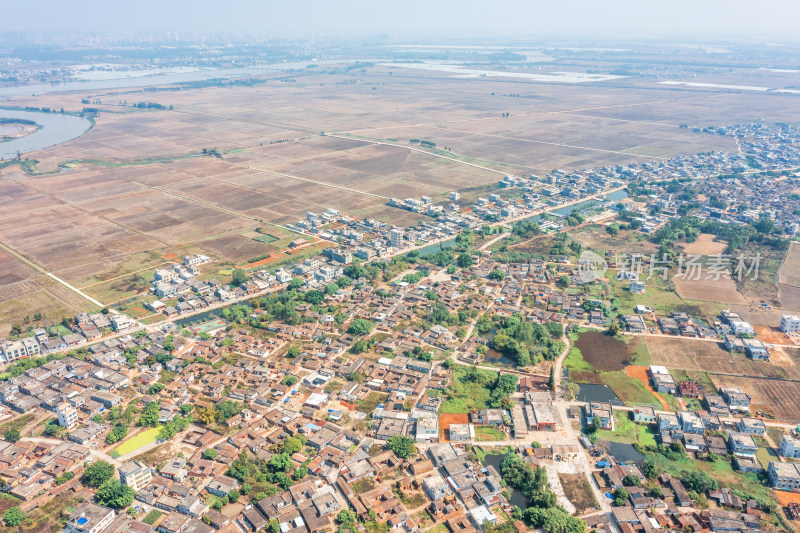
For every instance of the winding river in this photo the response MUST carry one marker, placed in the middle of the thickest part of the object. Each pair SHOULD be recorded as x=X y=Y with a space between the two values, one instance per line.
x=55 y=129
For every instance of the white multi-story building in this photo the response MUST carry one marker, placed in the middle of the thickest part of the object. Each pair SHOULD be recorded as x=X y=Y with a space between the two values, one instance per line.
x=455 y=196
x=13 y=350
x=784 y=476
x=67 y=415
x=790 y=323
x=122 y=322
x=790 y=447
x=396 y=238
x=135 y=474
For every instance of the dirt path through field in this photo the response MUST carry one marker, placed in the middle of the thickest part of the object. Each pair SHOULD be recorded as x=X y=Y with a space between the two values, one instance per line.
x=640 y=373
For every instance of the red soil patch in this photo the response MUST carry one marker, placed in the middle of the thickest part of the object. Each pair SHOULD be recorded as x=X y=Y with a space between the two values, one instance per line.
x=787 y=497
x=640 y=373
x=771 y=335
x=446 y=419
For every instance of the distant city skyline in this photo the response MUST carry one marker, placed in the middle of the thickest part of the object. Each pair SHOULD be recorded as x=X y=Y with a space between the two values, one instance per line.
x=740 y=19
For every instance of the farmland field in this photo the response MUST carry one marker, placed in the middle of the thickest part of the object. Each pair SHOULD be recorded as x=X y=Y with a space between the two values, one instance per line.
x=695 y=354
x=136 y=186
x=704 y=245
x=789 y=279
x=713 y=290
x=602 y=351
x=776 y=397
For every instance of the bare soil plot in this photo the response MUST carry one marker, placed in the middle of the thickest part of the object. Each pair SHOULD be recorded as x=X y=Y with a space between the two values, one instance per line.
x=720 y=290
x=789 y=296
x=694 y=354
x=771 y=335
x=790 y=270
x=778 y=397
x=446 y=419
x=704 y=245
x=578 y=491
x=602 y=351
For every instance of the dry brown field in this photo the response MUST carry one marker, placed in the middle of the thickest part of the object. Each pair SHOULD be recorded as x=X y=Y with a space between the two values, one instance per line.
x=720 y=290
x=694 y=354
x=137 y=191
x=704 y=245
x=789 y=279
x=776 y=396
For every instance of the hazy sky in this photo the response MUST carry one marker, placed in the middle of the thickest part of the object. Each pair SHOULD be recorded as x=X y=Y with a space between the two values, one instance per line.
x=606 y=18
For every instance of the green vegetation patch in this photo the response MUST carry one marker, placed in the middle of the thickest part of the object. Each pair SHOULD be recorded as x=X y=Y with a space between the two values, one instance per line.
x=152 y=517
x=473 y=388
x=137 y=441
x=628 y=432
x=484 y=433
x=266 y=238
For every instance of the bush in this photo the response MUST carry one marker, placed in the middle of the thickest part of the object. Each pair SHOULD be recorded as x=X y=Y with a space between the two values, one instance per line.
x=210 y=453
x=401 y=445
x=14 y=516
x=11 y=434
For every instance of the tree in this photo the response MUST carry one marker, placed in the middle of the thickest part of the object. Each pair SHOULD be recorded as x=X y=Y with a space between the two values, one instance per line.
x=555 y=329
x=300 y=473
x=360 y=326
x=564 y=281
x=631 y=481
x=296 y=283
x=294 y=351
x=554 y=520
x=292 y=445
x=14 y=516
x=315 y=297
x=620 y=497
x=464 y=260
x=551 y=383
x=116 y=434
x=401 y=445
x=11 y=434
x=97 y=473
x=155 y=388
x=233 y=496
x=239 y=276
x=149 y=416
x=649 y=469
x=210 y=453
x=497 y=275
x=115 y=495
x=280 y=463
x=346 y=518
x=656 y=492
x=206 y=415
x=289 y=381
x=227 y=409
x=16 y=329
x=700 y=482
